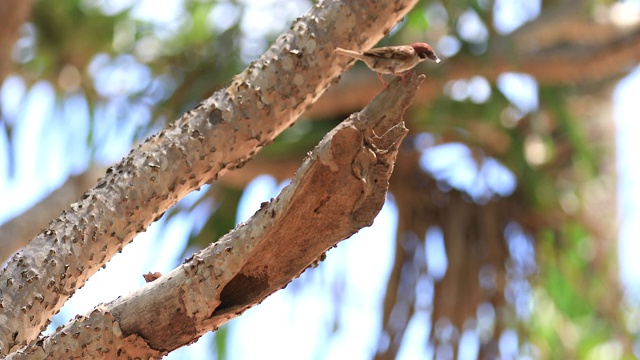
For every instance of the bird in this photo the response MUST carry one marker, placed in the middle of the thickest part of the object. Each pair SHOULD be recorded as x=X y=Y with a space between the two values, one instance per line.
x=394 y=60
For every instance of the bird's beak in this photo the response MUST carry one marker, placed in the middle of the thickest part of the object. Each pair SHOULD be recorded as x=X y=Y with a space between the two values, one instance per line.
x=436 y=59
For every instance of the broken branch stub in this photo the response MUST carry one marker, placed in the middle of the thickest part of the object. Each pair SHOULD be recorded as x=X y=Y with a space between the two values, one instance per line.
x=339 y=189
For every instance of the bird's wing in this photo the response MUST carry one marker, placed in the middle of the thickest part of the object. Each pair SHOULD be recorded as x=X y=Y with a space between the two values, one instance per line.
x=398 y=53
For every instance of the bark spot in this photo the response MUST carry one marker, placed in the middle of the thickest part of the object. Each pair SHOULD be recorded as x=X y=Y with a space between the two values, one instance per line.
x=215 y=117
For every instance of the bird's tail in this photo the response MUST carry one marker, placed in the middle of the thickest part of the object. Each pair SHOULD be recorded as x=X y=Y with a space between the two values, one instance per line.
x=350 y=53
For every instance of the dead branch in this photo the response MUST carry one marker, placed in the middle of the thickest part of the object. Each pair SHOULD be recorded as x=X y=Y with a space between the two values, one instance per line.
x=339 y=189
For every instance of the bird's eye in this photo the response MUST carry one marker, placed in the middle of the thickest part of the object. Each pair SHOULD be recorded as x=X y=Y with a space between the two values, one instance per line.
x=422 y=55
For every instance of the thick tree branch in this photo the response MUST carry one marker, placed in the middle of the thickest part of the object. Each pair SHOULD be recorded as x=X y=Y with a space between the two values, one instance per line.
x=339 y=189
x=219 y=135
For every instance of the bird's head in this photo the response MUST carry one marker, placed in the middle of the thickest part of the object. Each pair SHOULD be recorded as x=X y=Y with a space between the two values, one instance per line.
x=425 y=51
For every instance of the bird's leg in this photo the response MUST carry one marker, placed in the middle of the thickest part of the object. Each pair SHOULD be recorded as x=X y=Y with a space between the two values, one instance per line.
x=403 y=75
x=381 y=79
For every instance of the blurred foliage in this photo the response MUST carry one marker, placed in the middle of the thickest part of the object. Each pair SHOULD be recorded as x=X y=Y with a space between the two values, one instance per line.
x=199 y=50
x=69 y=33
x=220 y=338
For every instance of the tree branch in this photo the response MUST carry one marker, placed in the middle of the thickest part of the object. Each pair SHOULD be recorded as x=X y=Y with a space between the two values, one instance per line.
x=339 y=189
x=219 y=135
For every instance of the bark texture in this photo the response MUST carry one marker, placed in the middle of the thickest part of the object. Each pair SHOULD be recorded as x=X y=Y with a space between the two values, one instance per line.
x=339 y=189
x=95 y=336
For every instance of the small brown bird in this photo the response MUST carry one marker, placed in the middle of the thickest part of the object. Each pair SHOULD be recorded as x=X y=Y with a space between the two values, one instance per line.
x=394 y=60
